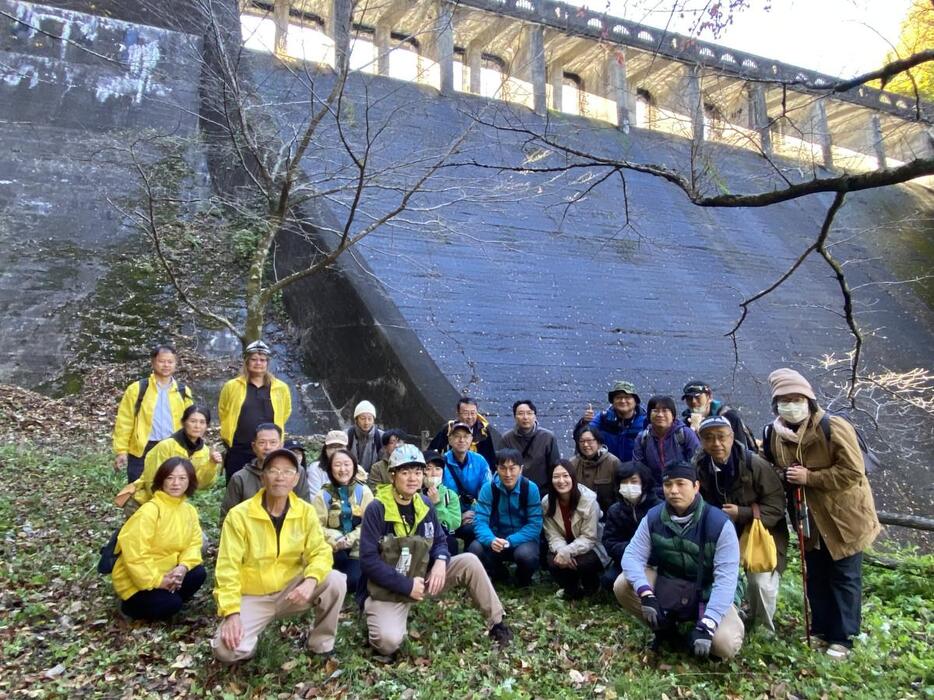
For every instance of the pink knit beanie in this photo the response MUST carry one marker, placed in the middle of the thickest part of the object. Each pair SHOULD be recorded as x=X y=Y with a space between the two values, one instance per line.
x=787 y=381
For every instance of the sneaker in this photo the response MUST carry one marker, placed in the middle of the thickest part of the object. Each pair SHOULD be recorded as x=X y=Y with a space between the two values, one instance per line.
x=501 y=634
x=838 y=652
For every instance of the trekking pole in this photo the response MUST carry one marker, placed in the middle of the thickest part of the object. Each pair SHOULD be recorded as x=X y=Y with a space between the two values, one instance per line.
x=804 y=532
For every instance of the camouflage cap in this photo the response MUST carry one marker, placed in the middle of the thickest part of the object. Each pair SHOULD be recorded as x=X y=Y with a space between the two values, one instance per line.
x=622 y=387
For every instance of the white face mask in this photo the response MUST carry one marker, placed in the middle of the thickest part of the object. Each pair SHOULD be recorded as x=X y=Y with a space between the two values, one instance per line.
x=793 y=412
x=433 y=481
x=631 y=492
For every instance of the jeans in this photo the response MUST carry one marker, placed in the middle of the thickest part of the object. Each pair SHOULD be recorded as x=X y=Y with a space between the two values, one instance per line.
x=525 y=556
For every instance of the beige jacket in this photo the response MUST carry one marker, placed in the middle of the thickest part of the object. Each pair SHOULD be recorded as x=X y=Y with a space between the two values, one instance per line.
x=837 y=492
x=585 y=526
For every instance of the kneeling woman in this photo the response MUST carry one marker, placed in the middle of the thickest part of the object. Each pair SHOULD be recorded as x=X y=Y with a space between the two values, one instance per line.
x=404 y=555
x=572 y=529
x=340 y=504
x=158 y=567
x=187 y=443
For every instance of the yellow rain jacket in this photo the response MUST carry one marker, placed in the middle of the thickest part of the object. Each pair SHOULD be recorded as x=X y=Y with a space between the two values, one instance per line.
x=131 y=432
x=231 y=399
x=162 y=534
x=251 y=561
x=205 y=469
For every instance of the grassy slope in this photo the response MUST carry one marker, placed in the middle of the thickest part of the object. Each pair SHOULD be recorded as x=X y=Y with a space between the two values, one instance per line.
x=60 y=635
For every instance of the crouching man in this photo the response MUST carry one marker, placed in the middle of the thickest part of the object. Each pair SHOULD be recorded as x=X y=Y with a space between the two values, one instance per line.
x=404 y=556
x=273 y=562
x=695 y=553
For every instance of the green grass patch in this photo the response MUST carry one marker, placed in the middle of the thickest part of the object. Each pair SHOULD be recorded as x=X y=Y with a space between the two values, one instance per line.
x=60 y=635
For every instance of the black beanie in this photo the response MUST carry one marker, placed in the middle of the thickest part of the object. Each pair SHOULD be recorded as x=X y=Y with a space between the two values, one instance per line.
x=679 y=470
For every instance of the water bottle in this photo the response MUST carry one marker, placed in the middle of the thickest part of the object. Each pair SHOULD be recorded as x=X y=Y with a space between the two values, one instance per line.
x=405 y=559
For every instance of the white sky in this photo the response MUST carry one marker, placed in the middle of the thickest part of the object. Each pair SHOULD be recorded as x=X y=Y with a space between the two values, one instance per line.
x=839 y=37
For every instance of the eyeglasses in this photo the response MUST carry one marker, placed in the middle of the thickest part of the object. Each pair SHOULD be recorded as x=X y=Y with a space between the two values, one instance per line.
x=275 y=471
x=660 y=410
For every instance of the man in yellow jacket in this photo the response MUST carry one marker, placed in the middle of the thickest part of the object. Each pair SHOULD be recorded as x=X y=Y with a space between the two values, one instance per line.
x=273 y=562
x=150 y=411
x=254 y=396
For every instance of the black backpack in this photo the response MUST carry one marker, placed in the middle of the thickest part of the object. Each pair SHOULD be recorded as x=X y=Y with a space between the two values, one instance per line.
x=523 y=502
x=144 y=385
x=747 y=436
x=870 y=459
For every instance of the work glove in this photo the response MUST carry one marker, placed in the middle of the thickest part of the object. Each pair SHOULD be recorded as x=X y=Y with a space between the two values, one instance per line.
x=651 y=613
x=702 y=637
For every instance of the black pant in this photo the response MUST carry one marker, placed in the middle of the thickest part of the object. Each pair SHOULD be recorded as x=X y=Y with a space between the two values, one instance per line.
x=135 y=465
x=453 y=547
x=236 y=458
x=160 y=604
x=349 y=566
x=835 y=592
x=525 y=556
x=585 y=579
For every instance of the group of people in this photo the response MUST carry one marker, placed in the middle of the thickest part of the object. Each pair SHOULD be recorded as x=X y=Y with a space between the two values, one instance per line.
x=652 y=507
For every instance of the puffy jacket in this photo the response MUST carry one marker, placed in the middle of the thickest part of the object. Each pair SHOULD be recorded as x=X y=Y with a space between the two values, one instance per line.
x=839 y=498
x=328 y=507
x=131 y=430
x=248 y=482
x=619 y=435
x=251 y=560
x=585 y=527
x=649 y=449
x=162 y=534
x=599 y=475
x=175 y=446
x=622 y=520
x=232 y=397
x=516 y=524
x=472 y=476
x=754 y=481
x=382 y=519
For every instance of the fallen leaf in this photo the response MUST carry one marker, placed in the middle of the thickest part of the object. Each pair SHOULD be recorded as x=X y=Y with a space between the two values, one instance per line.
x=576 y=676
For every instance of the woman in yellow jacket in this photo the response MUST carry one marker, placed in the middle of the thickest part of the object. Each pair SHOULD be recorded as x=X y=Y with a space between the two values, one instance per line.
x=158 y=566
x=187 y=443
x=253 y=397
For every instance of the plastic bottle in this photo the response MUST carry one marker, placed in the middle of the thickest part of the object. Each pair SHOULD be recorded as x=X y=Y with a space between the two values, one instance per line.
x=405 y=559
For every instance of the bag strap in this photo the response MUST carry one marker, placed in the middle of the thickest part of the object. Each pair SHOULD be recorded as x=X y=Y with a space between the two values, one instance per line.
x=523 y=501
x=525 y=452
x=767 y=443
x=358 y=492
x=143 y=386
x=755 y=512
x=825 y=426
x=702 y=544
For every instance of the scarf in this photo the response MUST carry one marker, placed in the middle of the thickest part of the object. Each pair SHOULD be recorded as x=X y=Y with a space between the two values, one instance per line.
x=366 y=452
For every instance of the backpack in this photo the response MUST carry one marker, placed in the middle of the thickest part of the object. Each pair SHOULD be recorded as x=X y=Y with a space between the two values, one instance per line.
x=108 y=558
x=870 y=458
x=523 y=502
x=144 y=385
x=747 y=436
x=357 y=494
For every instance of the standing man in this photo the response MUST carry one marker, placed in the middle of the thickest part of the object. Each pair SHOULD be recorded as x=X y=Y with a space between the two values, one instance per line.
x=465 y=474
x=621 y=423
x=253 y=397
x=700 y=404
x=150 y=410
x=675 y=590
x=537 y=446
x=273 y=562
x=482 y=438
x=744 y=486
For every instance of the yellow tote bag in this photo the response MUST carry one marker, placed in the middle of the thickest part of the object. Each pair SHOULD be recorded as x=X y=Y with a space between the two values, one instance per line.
x=757 y=551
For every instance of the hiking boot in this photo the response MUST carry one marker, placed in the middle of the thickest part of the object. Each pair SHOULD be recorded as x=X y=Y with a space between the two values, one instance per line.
x=501 y=635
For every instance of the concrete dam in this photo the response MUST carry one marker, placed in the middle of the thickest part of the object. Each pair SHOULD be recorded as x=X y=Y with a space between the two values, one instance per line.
x=514 y=272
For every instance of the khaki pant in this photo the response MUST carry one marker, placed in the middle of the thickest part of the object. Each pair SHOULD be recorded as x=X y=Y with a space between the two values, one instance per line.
x=257 y=611
x=727 y=640
x=762 y=596
x=386 y=622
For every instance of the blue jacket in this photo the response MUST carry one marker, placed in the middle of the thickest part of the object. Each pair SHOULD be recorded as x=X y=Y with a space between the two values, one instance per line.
x=474 y=474
x=650 y=449
x=618 y=435
x=515 y=524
